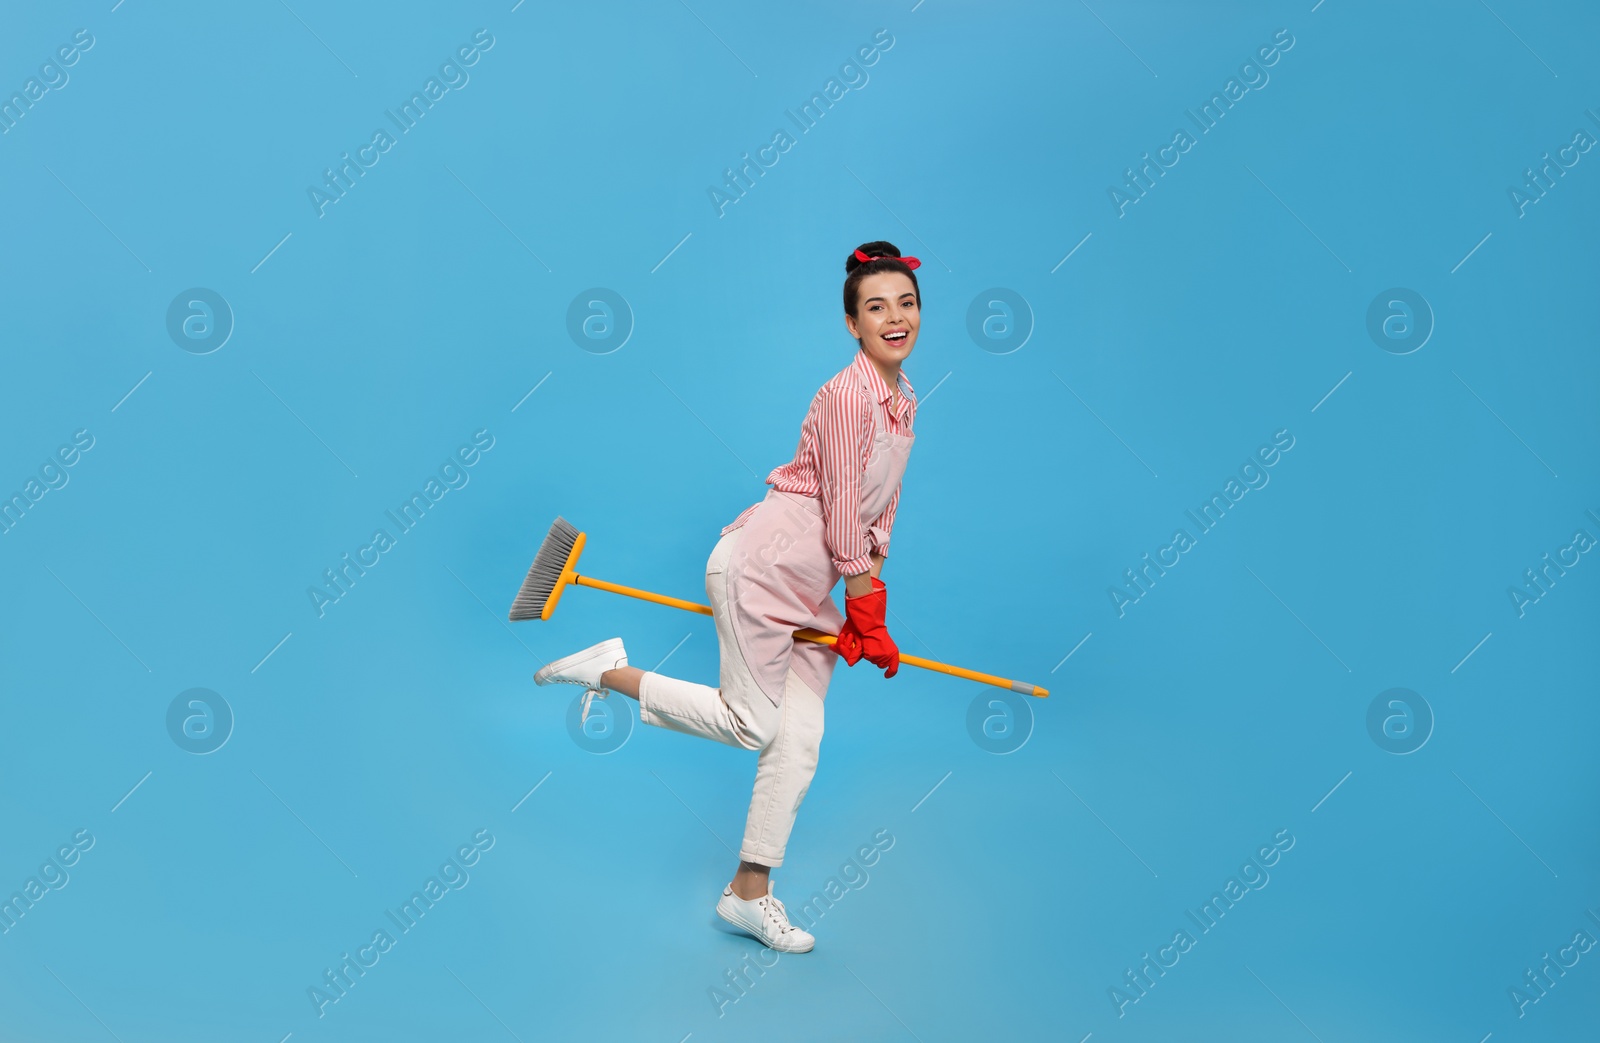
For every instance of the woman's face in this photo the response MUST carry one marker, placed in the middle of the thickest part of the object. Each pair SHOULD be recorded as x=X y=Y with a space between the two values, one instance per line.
x=886 y=317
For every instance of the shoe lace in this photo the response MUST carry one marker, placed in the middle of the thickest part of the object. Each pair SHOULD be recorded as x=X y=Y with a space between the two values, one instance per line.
x=588 y=697
x=778 y=914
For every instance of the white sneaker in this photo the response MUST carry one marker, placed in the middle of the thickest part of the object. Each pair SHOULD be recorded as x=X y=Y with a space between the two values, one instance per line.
x=585 y=668
x=766 y=919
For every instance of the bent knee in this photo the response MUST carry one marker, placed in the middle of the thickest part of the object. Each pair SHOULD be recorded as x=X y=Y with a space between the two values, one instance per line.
x=756 y=731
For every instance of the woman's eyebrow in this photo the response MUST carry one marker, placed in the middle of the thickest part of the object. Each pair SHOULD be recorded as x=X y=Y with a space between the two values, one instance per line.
x=869 y=300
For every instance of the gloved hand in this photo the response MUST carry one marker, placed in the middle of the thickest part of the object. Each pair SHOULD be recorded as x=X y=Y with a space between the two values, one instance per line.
x=848 y=644
x=865 y=634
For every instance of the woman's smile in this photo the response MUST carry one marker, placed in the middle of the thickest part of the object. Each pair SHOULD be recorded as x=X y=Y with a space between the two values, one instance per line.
x=889 y=317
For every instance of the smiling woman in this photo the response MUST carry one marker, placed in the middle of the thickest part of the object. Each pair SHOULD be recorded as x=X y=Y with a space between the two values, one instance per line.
x=827 y=516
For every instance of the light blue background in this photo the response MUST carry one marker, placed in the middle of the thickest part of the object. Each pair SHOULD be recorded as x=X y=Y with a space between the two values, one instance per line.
x=1229 y=703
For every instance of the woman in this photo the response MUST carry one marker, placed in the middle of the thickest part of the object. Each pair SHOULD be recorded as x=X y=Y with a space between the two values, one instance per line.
x=828 y=514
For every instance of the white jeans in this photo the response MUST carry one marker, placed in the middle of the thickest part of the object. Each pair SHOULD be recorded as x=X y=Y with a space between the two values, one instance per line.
x=789 y=736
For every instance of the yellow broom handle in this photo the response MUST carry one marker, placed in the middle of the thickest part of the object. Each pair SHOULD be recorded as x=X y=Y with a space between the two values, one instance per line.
x=808 y=634
x=635 y=592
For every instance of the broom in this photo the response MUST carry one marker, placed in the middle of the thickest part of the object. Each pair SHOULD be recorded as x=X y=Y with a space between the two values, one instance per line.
x=553 y=570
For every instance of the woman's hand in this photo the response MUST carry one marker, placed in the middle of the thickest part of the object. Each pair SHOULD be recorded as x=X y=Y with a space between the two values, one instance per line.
x=865 y=634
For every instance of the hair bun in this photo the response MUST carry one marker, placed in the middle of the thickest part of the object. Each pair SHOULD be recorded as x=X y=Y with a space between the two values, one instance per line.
x=874 y=249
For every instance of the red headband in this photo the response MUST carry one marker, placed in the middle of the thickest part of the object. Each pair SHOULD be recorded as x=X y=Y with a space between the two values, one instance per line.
x=910 y=262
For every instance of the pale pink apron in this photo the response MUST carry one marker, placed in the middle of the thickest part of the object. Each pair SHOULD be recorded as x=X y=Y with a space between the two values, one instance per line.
x=781 y=575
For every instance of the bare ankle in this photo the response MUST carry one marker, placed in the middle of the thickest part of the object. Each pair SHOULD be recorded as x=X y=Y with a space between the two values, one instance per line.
x=624 y=679
x=751 y=881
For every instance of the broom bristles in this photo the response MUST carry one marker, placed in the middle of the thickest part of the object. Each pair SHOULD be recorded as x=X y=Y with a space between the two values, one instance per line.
x=545 y=572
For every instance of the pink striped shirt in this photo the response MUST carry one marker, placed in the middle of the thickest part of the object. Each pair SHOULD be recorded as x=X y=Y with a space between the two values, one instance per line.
x=835 y=443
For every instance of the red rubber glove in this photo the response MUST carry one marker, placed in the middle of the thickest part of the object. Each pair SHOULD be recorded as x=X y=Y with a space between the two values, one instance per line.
x=865 y=634
x=848 y=644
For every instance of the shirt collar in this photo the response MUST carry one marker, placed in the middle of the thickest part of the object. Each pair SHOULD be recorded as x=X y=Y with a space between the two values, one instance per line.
x=878 y=388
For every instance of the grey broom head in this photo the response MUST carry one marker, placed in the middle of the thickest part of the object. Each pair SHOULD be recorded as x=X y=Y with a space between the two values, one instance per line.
x=546 y=571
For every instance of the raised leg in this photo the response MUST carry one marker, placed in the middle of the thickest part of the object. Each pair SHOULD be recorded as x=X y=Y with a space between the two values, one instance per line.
x=624 y=680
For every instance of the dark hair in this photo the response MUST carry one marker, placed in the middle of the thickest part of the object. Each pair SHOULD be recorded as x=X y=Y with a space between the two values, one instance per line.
x=886 y=259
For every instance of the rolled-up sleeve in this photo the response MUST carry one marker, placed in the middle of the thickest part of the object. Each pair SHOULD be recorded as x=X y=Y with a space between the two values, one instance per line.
x=883 y=524
x=844 y=439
